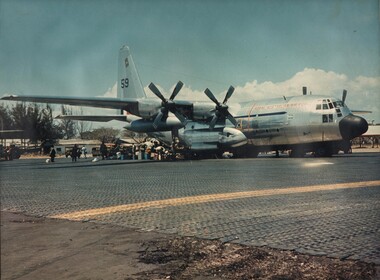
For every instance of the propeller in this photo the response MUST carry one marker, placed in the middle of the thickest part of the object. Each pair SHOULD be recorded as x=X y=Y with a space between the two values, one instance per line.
x=344 y=95
x=168 y=105
x=221 y=109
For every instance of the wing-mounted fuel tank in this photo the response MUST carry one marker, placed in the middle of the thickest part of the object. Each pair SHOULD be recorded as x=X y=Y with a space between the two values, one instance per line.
x=232 y=138
x=199 y=137
x=143 y=125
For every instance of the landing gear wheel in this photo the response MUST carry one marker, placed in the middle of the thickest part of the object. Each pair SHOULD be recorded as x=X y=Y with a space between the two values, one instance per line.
x=323 y=151
x=296 y=153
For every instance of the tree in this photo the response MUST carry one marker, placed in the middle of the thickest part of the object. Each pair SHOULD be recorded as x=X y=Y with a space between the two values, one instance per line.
x=105 y=134
x=67 y=126
x=36 y=122
x=6 y=121
x=46 y=127
x=137 y=137
x=25 y=117
x=83 y=126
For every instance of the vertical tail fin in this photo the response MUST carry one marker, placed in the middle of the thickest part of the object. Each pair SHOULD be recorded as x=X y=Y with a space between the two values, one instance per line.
x=129 y=83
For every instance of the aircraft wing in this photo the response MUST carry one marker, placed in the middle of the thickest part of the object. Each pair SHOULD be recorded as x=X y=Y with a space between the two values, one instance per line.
x=100 y=102
x=93 y=118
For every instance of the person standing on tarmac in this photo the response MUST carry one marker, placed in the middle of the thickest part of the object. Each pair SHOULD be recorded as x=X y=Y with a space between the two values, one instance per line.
x=84 y=151
x=74 y=153
x=52 y=154
x=103 y=150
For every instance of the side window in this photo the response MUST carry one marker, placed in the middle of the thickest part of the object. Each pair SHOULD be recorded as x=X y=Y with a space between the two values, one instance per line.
x=325 y=106
x=319 y=106
x=327 y=118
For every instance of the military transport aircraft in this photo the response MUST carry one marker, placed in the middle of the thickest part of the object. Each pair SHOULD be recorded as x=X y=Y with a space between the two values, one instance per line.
x=307 y=123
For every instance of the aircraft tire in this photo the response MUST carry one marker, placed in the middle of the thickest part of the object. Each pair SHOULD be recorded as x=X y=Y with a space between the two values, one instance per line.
x=323 y=151
x=246 y=153
x=296 y=153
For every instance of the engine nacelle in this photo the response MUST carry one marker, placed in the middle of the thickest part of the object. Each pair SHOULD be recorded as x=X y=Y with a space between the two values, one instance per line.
x=203 y=110
x=142 y=125
x=148 y=108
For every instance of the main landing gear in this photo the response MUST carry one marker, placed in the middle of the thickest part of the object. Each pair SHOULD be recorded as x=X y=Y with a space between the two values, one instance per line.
x=322 y=150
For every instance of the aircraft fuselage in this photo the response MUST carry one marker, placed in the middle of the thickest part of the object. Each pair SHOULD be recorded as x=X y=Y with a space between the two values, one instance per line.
x=309 y=123
x=307 y=120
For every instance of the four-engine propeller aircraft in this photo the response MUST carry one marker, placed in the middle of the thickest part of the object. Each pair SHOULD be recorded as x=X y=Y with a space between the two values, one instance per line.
x=306 y=123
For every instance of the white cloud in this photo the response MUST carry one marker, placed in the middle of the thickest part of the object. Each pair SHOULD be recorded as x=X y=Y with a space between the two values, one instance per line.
x=363 y=92
x=111 y=92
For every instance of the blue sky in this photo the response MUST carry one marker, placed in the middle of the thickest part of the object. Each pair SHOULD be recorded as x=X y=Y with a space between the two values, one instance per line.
x=71 y=47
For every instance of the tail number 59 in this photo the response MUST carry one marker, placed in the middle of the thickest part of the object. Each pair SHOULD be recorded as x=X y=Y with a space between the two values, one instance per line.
x=124 y=83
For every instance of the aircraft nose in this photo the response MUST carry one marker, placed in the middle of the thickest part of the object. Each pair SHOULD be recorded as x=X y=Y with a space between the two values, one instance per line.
x=352 y=126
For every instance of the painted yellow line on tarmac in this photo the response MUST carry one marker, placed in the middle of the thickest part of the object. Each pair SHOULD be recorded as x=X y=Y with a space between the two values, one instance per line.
x=85 y=214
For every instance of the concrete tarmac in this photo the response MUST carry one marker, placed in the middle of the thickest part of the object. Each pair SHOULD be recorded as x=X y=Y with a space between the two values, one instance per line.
x=323 y=207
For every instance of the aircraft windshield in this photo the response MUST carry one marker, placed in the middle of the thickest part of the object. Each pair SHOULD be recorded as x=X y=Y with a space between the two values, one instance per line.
x=338 y=104
x=327 y=104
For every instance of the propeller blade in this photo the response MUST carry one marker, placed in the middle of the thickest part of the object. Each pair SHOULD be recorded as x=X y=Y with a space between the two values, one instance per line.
x=213 y=122
x=158 y=119
x=156 y=91
x=228 y=94
x=344 y=95
x=232 y=119
x=211 y=96
x=179 y=116
x=176 y=90
x=221 y=109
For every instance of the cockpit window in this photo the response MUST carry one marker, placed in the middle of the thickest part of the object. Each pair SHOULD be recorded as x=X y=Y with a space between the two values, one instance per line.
x=327 y=104
x=338 y=112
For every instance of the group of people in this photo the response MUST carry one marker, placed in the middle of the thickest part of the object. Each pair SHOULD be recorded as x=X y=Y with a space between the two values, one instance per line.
x=75 y=153
x=151 y=150
x=9 y=153
x=148 y=150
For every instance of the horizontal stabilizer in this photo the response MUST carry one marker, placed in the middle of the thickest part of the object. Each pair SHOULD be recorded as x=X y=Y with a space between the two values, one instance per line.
x=92 y=118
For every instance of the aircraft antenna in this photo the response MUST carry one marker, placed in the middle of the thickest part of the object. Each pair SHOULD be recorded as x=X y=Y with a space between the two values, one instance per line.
x=344 y=95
